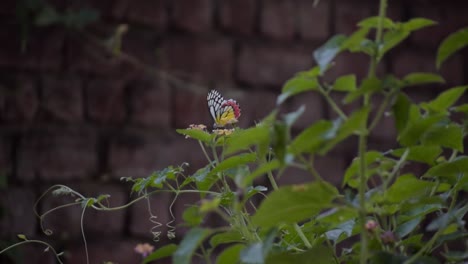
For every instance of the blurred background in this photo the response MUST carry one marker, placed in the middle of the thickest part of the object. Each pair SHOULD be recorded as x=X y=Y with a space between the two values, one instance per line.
x=92 y=91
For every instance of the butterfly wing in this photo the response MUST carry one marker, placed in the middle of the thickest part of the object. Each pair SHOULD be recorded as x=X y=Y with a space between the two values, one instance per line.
x=215 y=106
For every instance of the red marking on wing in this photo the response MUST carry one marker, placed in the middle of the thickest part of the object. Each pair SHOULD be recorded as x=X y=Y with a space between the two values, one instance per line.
x=234 y=105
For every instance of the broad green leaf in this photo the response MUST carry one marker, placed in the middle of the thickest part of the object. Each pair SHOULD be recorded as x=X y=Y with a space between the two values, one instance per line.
x=188 y=245
x=426 y=154
x=401 y=110
x=419 y=78
x=326 y=53
x=355 y=123
x=405 y=228
x=408 y=187
x=252 y=191
x=233 y=162
x=354 y=41
x=420 y=209
x=451 y=237
x=279 y=140
x=291 y=118
x=373 y=22
x=416 y=128
x=162 y=252
x=243 y=139
x=445 y=99
x=298 y=84
x=453 y=43
x=226 y=237
x=310 y=139
x=461 y=108
x=417 y=23
x=451 y=170
x=345 y=228
x=318 y=254
x=346 y=83
x=253 y=254
x=368 y=86
x=262 y=169
x=450 y=136
x=291 y=204
x=203 y=136
x=392 y=38
x=230 y=255
x=192 y=216
x=209 y=205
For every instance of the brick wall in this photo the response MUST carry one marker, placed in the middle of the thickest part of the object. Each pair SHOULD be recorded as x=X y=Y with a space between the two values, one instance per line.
x=71 y=114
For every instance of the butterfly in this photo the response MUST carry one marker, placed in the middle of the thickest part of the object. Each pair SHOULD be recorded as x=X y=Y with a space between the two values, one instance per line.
x=224 y=112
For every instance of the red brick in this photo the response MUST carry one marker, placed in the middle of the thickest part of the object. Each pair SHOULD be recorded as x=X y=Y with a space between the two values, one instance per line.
x=108 y=249
x=17 y=212
x=349 y=13
x=140 y=223
x=238 y=16
x=6 y=160
x=20 y=102
x=57 y=155
x=278 y=19
x=190 y=107
x=408 y=61
x=193 y=16
x=255 y=105
x=138 y=154
x=449 y=18
x=206 y=59
x=150 y=103
x=106 y=100
x=314 y=21
x=148 y=12
x=314 y=109
x=62 y=98
x=271 y=65
x=40 y=53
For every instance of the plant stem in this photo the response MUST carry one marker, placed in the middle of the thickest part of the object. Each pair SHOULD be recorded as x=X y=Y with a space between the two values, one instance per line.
x=332 y=103
x=33 y=241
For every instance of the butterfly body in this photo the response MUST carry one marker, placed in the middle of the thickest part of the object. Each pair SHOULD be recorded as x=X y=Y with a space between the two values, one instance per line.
x=224 y=112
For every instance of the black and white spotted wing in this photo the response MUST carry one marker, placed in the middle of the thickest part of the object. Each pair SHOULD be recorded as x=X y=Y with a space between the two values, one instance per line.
x=215 y=103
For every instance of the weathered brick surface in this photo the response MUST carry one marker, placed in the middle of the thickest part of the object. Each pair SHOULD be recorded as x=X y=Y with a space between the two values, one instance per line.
x=150 y=103
x=115 y=250
x=19 y=102
x=349 y=13
x=193 y=16
x=148 y=12
x=255 y=105
x=314 y=21
x=264 y=65
x=6 y=160
x=278 y=19
x=17 y=212
x=190 y=107
x=199 y=58
x=314 y=109
x=62 y=98
x=57 y=155
x=105 y=100
x=238 y=16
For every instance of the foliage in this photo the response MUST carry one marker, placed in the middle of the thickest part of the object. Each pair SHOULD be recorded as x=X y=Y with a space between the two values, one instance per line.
x=383 y=213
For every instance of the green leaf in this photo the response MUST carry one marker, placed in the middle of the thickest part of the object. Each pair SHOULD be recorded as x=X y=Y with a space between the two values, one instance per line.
x=318 y=254
x=162 y=252
x=373 y=22
x=192 y=216
x=311 y=138
x=392 y=38
x=445 y=99
x=405 y=228
x=450 y=170
x=401 y=110
x=298 y=84
x=418 y=23
x=419 y=78
x=243 y=139
x=233 y=162
x=225 y=237
x=291 y=204
x=189 y=243
x=456 y=256
x=426 y=154
x=252 y=191
x=354 y=42
x=230 y=255
x=453 y=43
x=450 y=136
x=351 y=176
x=261 y=170
x=253 y=254
x=203 y=136
x=408 y=187
x=326 y=53
x=461 y=108
x=416 y=127
x=368 y=86
x=346 y=83
x=22 y=237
